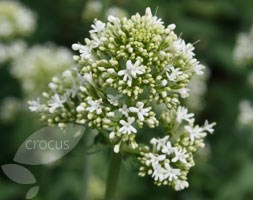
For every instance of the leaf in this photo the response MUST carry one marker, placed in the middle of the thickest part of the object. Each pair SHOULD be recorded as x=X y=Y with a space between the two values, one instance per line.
x=18 y=174
x=32 y=192
x=49 y=144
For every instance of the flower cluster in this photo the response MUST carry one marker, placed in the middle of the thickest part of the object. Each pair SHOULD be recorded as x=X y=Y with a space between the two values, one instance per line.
x=243 y=52
x=171 y=156
x=35 y=67
x=245 y=113
x=15 y=20
x=243 y=55
x=10 y=51
x=127 y=71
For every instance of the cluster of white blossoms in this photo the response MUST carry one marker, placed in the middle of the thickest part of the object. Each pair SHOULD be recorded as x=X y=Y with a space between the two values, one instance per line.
x=15 y=20
x=245 y=113
x=171 y=156
x=126 y=70
x=10 y=51
x=243 y=52
x=243 y=55
x=36 y=66
x=93 y=9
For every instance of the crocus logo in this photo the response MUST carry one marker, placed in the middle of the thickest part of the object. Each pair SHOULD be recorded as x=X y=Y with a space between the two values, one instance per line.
x=41 y=148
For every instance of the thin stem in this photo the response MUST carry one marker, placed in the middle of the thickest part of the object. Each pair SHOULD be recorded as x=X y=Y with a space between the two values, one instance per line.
x=85 y=167
x=112 y=177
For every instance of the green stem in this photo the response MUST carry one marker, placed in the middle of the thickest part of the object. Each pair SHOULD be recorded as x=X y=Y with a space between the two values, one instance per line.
x=85 y=167
x=112 y=177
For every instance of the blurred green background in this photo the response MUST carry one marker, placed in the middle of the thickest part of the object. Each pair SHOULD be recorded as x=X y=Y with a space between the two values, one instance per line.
x=223 y=171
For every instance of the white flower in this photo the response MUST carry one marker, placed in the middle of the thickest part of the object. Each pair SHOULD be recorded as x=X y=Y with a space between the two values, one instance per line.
x=186 y=49
x=87 y=77
x=141 y=112
x=167 y=172
x=158 y=173
x=184 y=92
x=85 y=53
x=154 y=19
x=171 y=173
x=180 y=154
x=114 y=100
x=124 y=110
x=131 y=71
x=57 y=101
x=194 y=132
x=94 y=106
x=154 y=160
x=35 y=106
x=127 y=126
x=162 y=144
x=98 y=26
x=245 y=112
x=113 y=19
x=180 y=185
x=182 y=114
x=95 y=42
x=209 y=127
x=199 y=69
x=172 y=72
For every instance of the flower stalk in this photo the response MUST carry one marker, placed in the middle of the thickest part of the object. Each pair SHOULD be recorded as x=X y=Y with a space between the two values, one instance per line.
x=113 y=175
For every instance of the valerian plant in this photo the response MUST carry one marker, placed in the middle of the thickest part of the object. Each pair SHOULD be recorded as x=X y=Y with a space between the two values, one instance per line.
x=126 y=69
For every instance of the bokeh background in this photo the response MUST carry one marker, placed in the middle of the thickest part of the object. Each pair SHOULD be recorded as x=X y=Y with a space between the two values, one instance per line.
x=35 y=45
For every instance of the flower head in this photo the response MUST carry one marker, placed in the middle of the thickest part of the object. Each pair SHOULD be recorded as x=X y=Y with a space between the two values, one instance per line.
x=36 y=66
x=131 y=74
x=15 y=20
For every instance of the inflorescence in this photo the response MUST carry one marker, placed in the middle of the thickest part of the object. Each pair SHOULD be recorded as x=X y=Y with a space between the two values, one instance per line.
x=15 y=20
x=36 y=66
x=126 y=69
x=243 y=52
